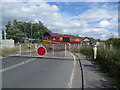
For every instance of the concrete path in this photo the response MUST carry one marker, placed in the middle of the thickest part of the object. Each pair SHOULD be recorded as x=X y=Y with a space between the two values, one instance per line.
x=92 y=77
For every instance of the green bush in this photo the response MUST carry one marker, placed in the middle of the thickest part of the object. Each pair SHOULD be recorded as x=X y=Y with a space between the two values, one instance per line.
x=88 y=51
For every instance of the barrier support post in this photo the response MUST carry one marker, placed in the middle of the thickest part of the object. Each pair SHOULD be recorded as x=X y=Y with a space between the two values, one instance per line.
x=65 y=50
x=95 y=51
x=78 y=48
x=110 y=47
x=20 y=49
x=53 y=50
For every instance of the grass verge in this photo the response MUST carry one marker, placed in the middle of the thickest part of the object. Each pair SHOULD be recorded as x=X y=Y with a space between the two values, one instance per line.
x=9 y=51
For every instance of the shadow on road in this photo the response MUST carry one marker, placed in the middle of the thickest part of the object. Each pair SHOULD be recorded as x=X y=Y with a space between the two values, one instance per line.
x=42 y=58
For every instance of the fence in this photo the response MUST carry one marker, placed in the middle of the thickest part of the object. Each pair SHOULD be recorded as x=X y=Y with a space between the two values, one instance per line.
x=29 y=49
x=53 y=50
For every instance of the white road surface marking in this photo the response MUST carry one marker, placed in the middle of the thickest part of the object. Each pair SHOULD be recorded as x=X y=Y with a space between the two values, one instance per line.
x=72 y=74
x=16 y=65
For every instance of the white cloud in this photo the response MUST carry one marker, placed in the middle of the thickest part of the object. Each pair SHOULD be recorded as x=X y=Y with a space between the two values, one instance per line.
x=60 y=1
x=12 y=0
x=56 y=21
x=95 y=14
x=104 y=23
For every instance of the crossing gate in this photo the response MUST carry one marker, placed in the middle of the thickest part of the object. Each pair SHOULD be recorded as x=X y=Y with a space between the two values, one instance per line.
x=53 y=50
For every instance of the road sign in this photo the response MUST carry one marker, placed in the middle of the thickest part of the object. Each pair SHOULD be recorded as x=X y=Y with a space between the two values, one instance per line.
x=41 y=51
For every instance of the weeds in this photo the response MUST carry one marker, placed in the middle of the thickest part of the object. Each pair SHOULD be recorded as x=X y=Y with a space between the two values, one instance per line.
x=109 y=62
x=9 y=51
x=88 y=51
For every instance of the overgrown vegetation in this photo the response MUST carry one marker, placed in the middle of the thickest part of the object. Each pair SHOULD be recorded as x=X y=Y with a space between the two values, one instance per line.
x=109 y=62
x=88 y=51
x=9 y=51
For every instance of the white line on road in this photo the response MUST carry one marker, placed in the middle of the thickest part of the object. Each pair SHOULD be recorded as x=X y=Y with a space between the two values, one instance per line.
x=72 y=74
x=16 y=65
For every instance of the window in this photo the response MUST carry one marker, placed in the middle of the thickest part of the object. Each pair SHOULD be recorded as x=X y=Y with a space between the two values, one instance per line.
x=66 y=39
x=46 y=38
x=53 y=38
x=77 y=40
x=61 y=39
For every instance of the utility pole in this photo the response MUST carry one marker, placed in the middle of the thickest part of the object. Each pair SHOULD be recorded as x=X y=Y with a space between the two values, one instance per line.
x=31 y=28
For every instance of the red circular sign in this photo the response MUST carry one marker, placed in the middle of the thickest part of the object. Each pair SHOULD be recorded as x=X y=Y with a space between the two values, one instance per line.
x=41 y=51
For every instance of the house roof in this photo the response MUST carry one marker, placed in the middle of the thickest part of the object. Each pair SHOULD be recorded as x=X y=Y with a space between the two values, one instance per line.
x=90 y=38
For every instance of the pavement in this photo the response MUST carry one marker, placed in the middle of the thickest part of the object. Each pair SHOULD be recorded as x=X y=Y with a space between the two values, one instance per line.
x=92 y=76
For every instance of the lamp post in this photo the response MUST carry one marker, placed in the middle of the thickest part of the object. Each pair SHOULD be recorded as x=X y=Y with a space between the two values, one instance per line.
x=31 y=28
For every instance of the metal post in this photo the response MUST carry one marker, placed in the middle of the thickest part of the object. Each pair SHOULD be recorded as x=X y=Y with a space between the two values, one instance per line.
x=31 y=30
x=20 y=49
x=1 y=46
x=35 y=46
x=30 y=49
x=69 y=46
x=53 y=50
x=110 y=47
x=78 y=48
x=104 y=46
x=65 y=50
x=95 y=51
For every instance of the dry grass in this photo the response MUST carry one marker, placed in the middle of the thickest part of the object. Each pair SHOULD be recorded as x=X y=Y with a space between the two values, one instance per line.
x=11 y=51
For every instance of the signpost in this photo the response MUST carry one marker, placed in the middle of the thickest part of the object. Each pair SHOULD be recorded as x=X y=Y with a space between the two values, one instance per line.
x=41 y=50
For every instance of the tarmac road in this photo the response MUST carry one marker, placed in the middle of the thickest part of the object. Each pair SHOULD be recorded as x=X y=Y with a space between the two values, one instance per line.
x=40 y=72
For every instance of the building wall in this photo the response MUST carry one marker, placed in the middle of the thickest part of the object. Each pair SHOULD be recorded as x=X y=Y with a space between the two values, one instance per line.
x=6 y=43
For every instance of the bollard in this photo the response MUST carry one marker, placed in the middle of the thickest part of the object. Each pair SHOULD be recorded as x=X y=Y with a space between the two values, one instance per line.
x=95 y=51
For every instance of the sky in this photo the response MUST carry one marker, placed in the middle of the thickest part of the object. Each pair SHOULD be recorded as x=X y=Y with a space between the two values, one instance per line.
x=92 y=19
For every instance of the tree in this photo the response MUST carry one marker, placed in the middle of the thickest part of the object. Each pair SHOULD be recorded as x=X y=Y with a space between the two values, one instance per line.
x=114 y=41
x=3 y=35
x=8 y=26
x=20 y=31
